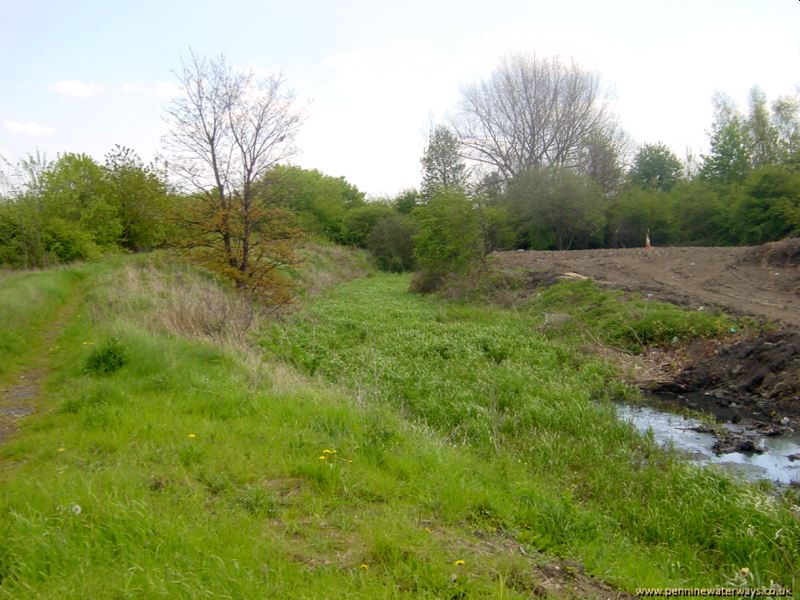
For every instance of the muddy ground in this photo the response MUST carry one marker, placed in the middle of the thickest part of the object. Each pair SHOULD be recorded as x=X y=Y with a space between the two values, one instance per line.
x=751 y=379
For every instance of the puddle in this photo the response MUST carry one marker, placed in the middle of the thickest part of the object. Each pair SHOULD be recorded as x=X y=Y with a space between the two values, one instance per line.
x=667 y=427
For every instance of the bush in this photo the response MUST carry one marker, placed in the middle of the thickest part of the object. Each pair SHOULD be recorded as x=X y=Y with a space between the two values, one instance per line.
x=449 y=241
x=391 y=243
x=109 y=357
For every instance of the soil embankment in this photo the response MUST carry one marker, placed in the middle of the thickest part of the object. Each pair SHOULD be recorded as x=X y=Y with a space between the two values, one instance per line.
x=753 y=380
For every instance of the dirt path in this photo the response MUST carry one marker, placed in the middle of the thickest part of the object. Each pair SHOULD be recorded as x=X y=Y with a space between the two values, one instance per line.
x=22 y=388
x=761 y=281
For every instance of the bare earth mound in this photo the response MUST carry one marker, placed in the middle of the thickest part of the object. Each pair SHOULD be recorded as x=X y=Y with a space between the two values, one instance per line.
x=763 y=282
x=759 y=375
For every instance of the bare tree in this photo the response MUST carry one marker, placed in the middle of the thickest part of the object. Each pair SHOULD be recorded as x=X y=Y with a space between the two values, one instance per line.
x=228 y=128
x=531 y=112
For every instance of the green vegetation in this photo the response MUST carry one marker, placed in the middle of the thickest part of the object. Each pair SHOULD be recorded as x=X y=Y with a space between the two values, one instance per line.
x=29 y=303
x=525 y=401
x=628 y=321
x=173 y=462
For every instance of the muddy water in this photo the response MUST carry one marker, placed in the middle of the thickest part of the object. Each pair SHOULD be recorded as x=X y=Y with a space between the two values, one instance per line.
x=669 y=428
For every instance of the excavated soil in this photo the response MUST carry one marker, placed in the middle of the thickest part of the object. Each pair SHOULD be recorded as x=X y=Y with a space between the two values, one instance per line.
x=753 y=379
x=761 y=281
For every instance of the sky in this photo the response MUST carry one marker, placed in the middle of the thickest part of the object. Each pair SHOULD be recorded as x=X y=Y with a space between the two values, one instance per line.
x=373 y=77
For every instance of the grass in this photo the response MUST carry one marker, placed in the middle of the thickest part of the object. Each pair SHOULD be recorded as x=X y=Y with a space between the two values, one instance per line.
x=494 y=383
x=405 y=436
x=29 y=302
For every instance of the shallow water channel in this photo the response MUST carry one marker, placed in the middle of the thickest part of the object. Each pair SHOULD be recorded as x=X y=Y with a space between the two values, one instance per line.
x=670 y=428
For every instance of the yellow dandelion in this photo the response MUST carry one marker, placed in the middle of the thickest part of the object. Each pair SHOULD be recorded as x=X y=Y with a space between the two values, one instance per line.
x=326 y=451
x=61 y=450
x=192 y=436
x=363 y=566
x=323 y=457
x=459 y=563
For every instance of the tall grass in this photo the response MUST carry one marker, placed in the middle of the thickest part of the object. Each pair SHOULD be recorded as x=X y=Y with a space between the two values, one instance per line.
x=182 y=473
x=494 y=383
x=430 y=434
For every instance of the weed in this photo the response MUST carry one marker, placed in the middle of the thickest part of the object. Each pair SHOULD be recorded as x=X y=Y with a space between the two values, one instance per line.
x=107 y=358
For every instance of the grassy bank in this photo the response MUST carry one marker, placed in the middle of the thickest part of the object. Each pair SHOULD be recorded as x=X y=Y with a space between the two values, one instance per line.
x=174 y=464
x=523 y=399
x=411 y=449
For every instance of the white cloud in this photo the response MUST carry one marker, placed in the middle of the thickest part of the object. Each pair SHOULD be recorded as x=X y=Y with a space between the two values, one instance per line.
x=28 y=128
x=162 y=89
x=78 y=89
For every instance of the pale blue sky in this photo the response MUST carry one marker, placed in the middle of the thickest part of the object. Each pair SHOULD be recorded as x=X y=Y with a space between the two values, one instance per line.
x=82 y=76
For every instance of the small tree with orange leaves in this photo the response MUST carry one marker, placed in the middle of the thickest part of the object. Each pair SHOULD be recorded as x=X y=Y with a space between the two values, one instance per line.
x=227 y=129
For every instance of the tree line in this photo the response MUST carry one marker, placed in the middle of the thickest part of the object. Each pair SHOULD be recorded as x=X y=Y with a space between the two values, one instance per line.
x=531 y=159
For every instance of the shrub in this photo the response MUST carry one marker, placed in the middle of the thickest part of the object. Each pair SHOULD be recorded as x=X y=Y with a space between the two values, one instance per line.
x=109 y=357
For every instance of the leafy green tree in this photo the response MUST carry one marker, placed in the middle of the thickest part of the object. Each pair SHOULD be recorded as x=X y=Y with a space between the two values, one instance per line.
x=449 y=240
x=764 y=136
x=555 y=208
x=74 y=189
x=22 y=199
x=702 y=213
x=391 y=242
x=319 y=200
x=442 y=165
x=406 y=201
x=635 y=212
x=731 y=149
x=770 y=209
x=359 y=222
x=787 y=124
x=139 y=194
x=655 y=166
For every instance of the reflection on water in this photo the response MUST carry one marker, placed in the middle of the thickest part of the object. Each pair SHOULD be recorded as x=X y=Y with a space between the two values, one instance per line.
x=669 y=428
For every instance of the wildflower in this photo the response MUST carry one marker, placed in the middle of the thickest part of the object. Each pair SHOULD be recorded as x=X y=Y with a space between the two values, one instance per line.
x=459 y=563
x=363 y=566
x=323 y=457
x=326 y=451
x=75 y=509
x=61 y=450
x=192 y=436
x=744 y=571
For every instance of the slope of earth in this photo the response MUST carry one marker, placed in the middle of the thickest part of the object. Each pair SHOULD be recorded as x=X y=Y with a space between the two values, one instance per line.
x=167 y=460
x=759 y=281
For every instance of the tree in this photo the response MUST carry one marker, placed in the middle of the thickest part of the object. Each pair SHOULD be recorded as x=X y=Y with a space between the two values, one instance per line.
x=764 y=146
x=655 y=166
x=634 y=213
x=531 y=112
x=442 y=165
x=602 y=158
x=227 y=130
x=139 y=194
x=449 y=240
x=391 y=243
x=770 y=209
x=731 y=151
x=74 y=190
x=555 y=208
x=320 y=201
x=359 y=222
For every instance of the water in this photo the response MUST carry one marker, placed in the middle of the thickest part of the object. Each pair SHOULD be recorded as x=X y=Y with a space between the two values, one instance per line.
x=772 y=464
